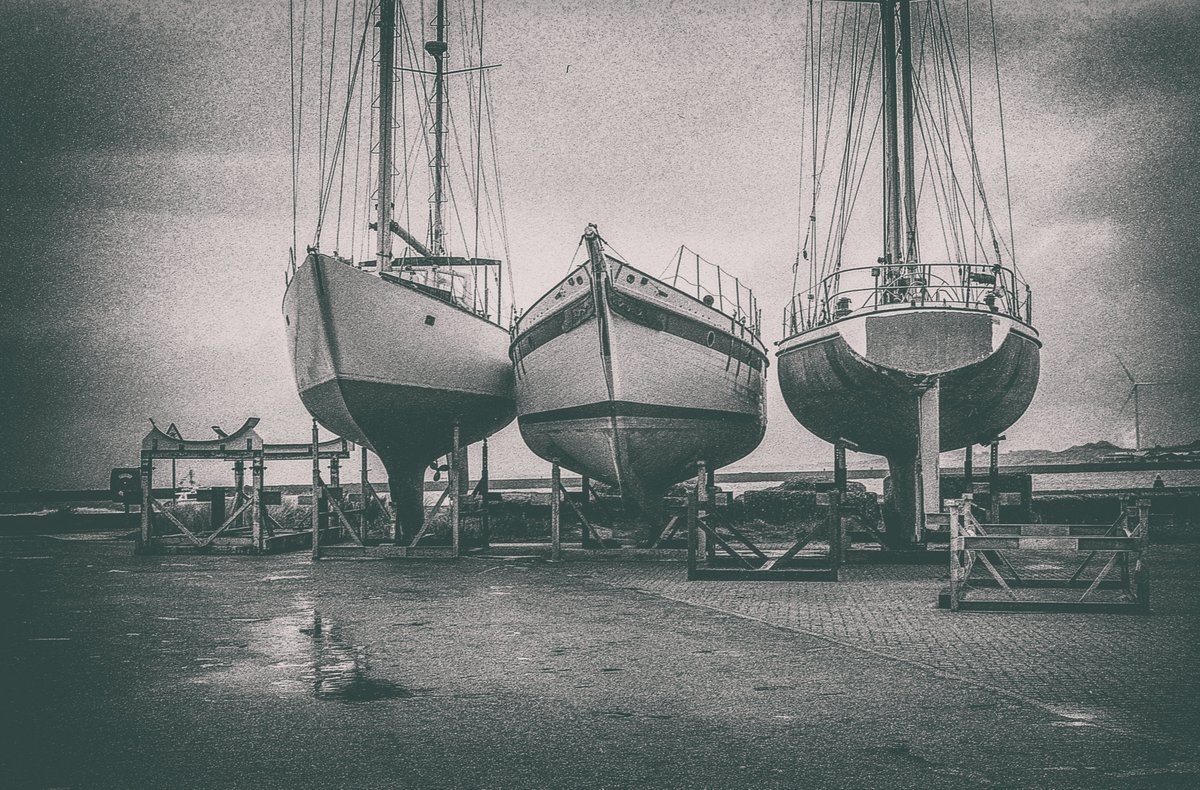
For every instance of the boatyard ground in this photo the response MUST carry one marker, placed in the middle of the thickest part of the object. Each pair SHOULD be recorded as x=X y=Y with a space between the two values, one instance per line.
x=125 y=671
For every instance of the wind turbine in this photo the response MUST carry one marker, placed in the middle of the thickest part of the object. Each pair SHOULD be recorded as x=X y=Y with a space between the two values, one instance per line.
x=1133 y=395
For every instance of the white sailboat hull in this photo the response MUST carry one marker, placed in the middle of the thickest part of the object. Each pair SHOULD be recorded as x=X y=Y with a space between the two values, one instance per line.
x=627 y=402
x=395 y=369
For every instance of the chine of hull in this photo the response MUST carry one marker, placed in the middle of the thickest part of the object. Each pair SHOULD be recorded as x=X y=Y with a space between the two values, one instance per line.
x=987 y=370
x=394 y=369
x=639 y=417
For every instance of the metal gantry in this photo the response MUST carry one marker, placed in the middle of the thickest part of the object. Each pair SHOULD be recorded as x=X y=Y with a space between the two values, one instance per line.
x=228 y=534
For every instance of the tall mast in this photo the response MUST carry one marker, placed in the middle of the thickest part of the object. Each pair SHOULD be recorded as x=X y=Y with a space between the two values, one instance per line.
x=910 y=188
x=387 y=57
x=891 y=150
x=437 y=50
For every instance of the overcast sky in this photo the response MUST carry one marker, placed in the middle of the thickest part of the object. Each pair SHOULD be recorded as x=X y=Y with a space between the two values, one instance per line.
x=145 y=202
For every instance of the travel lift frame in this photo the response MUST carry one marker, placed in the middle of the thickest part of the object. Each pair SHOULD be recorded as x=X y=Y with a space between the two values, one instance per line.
x=242 y=446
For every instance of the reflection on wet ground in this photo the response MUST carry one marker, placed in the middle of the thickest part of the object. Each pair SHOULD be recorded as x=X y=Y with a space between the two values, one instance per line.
x=301 y=652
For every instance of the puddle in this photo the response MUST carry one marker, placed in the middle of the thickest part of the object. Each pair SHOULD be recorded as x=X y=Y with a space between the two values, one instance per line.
x=1074 y=718
x=297 y=654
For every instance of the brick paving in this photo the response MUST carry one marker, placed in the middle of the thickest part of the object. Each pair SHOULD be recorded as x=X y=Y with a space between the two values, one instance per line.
x=1131 y=671
x=265 y=672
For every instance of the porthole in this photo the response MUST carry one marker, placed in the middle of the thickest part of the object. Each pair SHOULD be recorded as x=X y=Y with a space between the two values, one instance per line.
x=711 y=339
x=430 y=320
x=644 y=281
x=629 y=278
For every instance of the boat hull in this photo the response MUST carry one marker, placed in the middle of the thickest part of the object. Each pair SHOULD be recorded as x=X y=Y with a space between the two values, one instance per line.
x=633 y=389
x=861 y=379
x=394 y=369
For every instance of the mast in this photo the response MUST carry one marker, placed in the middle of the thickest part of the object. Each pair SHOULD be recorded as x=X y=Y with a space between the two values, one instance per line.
x=910 y=189
x=387 y=57
x=891 y=149
x=437 y=50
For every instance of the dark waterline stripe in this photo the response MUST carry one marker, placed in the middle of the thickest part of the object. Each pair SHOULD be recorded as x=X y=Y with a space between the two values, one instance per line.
x=624 y=408
x=640 y=312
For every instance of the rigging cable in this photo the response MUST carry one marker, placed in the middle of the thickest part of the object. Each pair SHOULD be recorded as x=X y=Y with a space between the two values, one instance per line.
x=354 y=202
x=1012 y=247
x=337 y=236
x=292 y=97
x=327 y=186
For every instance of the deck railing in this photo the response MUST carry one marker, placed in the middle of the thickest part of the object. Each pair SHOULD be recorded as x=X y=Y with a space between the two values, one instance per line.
x=712 y=285
x=984 y=287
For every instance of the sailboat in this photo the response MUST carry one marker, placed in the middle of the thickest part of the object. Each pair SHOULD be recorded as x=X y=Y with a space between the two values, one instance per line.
x=630 y=380
x=396 y=350
x=913 y=351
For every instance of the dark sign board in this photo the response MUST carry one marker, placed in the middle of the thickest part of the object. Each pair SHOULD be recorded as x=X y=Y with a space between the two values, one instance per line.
x=126 y=485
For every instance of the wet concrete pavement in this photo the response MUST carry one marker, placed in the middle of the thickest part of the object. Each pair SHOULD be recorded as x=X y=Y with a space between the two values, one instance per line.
x=275 y=672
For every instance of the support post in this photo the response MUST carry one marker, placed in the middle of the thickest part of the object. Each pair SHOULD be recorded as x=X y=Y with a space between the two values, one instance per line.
x=147 y=494
x=929 y=498
x=839 y=466
x=257 y=466
x=335 y=473
x=363 y=486
x=556 y=512
x=239 y=486
x=1141 y=570
x=216 y=507
x=693 y=532
x=969 y=465
x=316 y=494
x=698 y=513
x=456 y=489
x=835 y=532
x=485 y=520
x=994 y=482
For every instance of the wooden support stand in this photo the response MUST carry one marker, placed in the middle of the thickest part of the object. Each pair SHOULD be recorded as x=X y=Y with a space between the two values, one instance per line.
x=719 y=551
x=974 y=545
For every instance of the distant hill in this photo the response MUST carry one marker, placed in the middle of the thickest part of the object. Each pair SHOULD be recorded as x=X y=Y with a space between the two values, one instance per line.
x=1083 y=453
